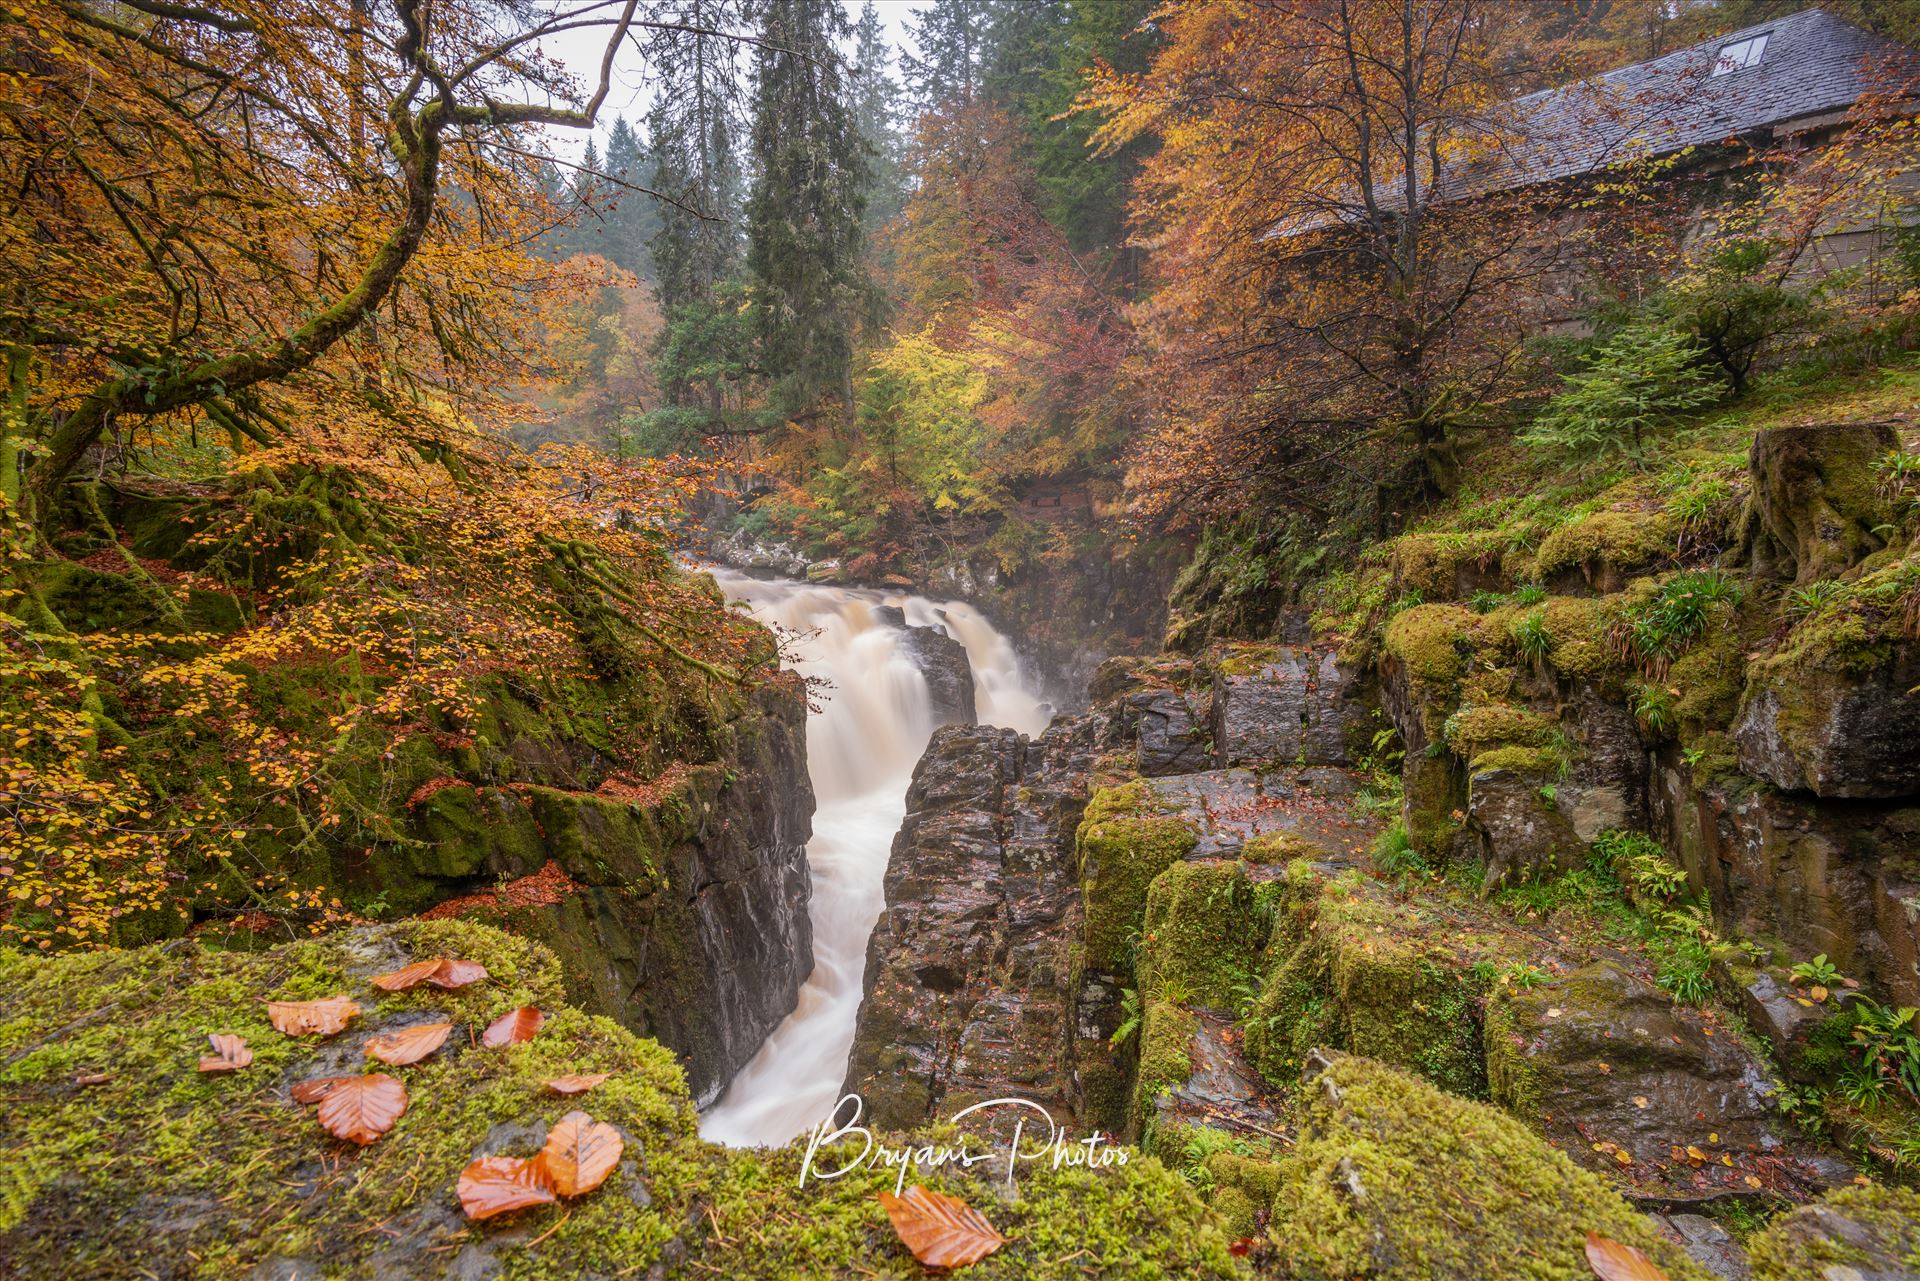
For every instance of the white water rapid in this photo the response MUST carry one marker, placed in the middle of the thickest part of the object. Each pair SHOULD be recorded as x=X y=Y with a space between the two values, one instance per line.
x=861 y=750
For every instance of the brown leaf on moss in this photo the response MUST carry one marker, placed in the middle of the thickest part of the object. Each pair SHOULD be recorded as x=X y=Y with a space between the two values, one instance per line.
x=513 y=1027
x=316 y=1089
x=575 y=1083
x=456 y=974
x=407 y=976
x=362 y=1108
x=230 y=1054
x=496 y=1184
x=311 y=1018
x=1612 y=1261
x=409 y=1044
x=581 y=1153
x=942 y=1231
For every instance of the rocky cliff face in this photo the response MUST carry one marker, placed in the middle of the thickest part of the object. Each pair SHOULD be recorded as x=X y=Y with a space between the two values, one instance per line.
x=678 y=909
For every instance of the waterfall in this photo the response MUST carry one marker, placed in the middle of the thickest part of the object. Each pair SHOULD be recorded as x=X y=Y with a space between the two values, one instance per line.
x=861 y=749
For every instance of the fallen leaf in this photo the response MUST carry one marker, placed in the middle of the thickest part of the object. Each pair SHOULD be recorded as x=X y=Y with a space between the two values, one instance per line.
x=316 y=1089
x=1612 y=1261
x=581 y=1153
x=1640 y=1100
x=409 y=1044
x=1818 y=993
x=408 y=976
x=1752 y=1181
x=496 y=1184
x=1623 y=1156
x=230 y=1054
x=311 y=1018
x=93 y=1078
x=941 y=1231
x=362 y=1108
x=576 y=1084
x=1241 y=1248
x=453 y=974
x=513 y=1027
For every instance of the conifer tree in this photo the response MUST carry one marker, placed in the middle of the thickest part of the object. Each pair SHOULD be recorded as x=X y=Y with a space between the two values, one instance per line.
x=949 y=35
x=694 y=161
x=806 y=208
x=876 y=110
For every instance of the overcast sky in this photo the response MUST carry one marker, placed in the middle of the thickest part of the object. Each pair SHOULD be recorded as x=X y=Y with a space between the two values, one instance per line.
x=633 y=84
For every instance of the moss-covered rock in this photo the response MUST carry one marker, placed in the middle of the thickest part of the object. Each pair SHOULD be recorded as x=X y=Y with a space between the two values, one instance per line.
x=156 y=1169
x=1201 y=934
x=1855 y=1232
x=1609 y=546
x=1815 y=507
x=1166 y=1037
x=1122 y=844
x=1395 y=1180
x=1432 y=642
x=1348 y=967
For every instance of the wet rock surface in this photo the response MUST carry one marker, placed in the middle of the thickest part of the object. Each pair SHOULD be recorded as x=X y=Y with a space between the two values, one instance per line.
x=1665 y=1097
x=942 y=660
x=1836 y=734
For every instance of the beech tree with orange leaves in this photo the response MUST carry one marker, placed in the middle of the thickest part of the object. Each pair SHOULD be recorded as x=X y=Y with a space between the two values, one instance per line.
x=265 y=270
x=1339 y=283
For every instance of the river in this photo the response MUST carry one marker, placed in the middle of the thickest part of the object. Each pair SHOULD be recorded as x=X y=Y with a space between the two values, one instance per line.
x=861 y=749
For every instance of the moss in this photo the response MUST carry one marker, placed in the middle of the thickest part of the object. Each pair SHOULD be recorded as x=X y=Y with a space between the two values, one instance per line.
x=1577 y=636
x=1607 y=545
x=1166 y=1037
x=1246 y=660
x=1436 y=563
x=1433 y=794
x=1511 y=1078
x=1201 y=933
x=1473 y=729
x=1875 y=1229
x=1280 y=847
x=162 y=1170
x=1396 y=1180
x=1236 y=1211
x=1122 y=845
x=1710 y=677
x=1348 y=967
x=1432 y=642
x=1523 y=760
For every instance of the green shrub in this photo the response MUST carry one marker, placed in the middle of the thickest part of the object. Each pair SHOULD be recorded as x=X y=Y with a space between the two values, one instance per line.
x=1738 y=305
x=1676 y=614
x=1642 y=379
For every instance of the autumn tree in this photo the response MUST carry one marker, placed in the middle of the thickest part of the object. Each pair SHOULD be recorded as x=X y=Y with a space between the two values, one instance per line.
x=1344 y=265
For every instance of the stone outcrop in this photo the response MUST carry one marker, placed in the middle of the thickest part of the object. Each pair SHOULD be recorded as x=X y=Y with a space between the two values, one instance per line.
x=943 y=663
x=1663 y=1096
x=968 y=992
x=1835 y=733
x=680 y=910
x=1284 y=703
x=1814 y=509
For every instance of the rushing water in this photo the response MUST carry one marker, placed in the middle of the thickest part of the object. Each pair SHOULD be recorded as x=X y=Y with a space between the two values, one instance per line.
x=861 y=750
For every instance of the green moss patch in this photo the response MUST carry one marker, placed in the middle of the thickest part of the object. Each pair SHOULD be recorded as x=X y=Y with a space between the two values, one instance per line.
x=1871 y=1231
x=1122 y=845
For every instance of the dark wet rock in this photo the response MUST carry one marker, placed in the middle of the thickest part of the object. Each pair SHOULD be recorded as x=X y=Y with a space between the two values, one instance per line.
x=1855 y=1234
x=1707 y=1244
x=1221 y=1087
x=1790 y=1020
x=1516 y=817
x=968 y=991
x=1834 y=877
x=1814 y=505
x=1285 y=704
x=1227 y=808
x=1662 y=1096
x=1836 y=733
x=943 y=662
x=1170 y=738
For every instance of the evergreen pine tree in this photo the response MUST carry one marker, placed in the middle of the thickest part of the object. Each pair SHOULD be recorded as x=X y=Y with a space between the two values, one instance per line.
x=693 y=125
x=630 y=218
x=946 y=72
x=808 y=200
x=876 y=110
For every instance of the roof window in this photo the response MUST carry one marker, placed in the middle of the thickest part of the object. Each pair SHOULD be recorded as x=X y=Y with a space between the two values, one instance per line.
x=1741 y=53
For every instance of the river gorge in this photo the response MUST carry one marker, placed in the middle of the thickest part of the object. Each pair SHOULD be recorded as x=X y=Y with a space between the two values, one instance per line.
x=867 y=731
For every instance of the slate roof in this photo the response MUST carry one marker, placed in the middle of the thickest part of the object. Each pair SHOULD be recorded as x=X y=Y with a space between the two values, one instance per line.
x=1814 y=64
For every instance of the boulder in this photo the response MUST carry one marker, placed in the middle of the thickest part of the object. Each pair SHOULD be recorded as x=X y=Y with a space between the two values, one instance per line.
x=1662 y=1096
x=943 y=662
x=1516 y=817
x=1855 y=1234
x=1169 y=738
x=1835 y=733
x=1792 y=1023
x=1283 y=704
x=1814 y=504
x=1707 y=1244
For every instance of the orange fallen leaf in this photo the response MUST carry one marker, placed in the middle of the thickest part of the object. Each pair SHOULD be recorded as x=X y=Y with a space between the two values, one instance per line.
x=230 y=1054
x=581 y=1153
x=496 y=1184
x=407 y=976
x=1612 y=1261
x=941 y=1231
x=409 y=1044
x=513 y=1027
x=574 y=1083
x=316 y=1089
x=362 y=1108
x=311 y=1018
x=455 y=974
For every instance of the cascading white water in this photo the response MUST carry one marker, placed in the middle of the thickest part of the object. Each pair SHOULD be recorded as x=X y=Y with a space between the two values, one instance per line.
x=861 y=750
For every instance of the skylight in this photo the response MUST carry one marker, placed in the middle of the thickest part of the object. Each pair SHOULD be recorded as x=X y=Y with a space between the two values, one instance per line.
x=1740 y=54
